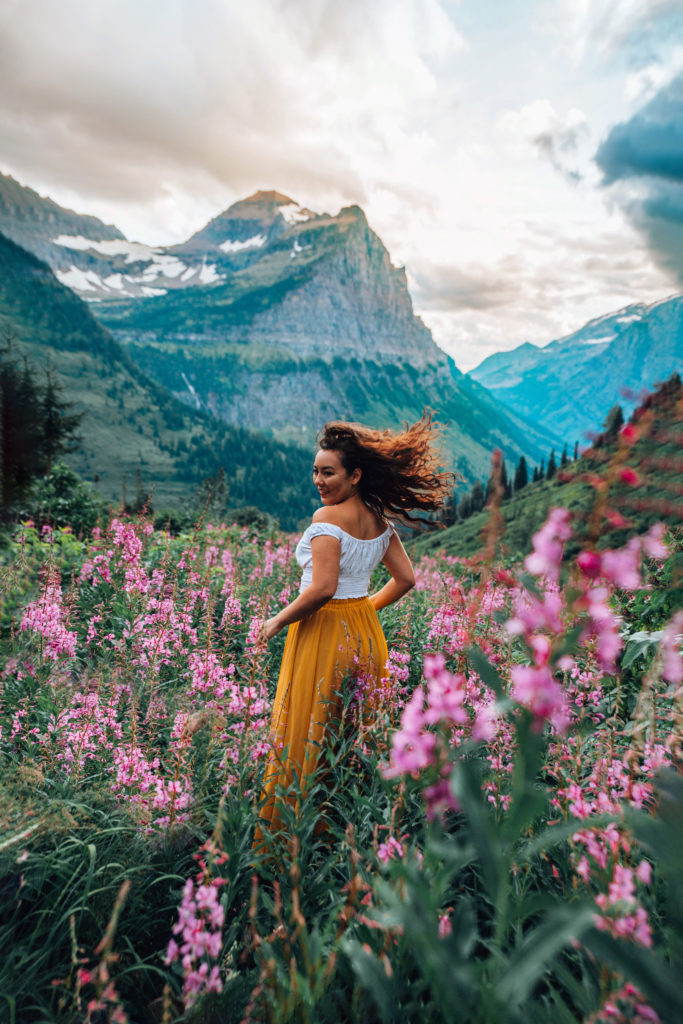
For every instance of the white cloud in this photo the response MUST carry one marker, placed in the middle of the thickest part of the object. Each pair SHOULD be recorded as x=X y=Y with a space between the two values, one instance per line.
x=607 y=27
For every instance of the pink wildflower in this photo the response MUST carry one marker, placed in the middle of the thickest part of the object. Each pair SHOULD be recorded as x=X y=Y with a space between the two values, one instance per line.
x=548 y=545
x=537 y=690
x=672 y=668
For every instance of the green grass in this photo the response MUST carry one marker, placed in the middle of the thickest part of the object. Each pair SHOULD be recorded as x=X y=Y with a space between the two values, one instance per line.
x=656 y=457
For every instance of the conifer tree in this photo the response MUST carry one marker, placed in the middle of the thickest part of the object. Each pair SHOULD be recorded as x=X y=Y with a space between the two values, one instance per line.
x=614 y=422
x=477 y=496
x=35 y=425
x=564 y=459
x=60 y=424
x=552 y=466
x=522 y=475
x=576 y=450
x=504 y=481
x=449 y=514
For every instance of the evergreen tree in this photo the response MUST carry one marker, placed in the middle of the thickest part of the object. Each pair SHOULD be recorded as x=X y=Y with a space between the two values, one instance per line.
x=614 y=422
x=552 y=466
x=477 y=497
x=564 y=459
x=522 y=475
x=576 y=450
x=211 y=497
x=35 y=425
x=449 y=514
x=465 y=507
x=60 y=424
x=541 y=470
x=504 y=481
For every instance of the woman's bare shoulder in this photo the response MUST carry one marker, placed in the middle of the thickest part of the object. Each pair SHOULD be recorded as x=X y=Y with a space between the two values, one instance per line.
x=327 y=514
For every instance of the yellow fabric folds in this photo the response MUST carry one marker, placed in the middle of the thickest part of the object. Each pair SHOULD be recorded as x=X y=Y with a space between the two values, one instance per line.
x=342 y=638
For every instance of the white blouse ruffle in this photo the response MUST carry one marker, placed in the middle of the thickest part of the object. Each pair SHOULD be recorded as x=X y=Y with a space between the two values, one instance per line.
x=357 y=559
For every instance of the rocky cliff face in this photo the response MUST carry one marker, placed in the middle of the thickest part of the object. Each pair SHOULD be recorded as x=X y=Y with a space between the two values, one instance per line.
x=276 y=317
x=34 y=221
x=315 y=324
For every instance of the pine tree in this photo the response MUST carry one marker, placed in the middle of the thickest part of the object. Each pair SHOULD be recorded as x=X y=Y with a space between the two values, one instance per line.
x=465 y=507
x=552 y=466
x=504 y=481
x=35 y=425
x=522 y=475
x=477 y=496
x=60 y=425
x=564 y=459
x=576 y=450
x=449 y=513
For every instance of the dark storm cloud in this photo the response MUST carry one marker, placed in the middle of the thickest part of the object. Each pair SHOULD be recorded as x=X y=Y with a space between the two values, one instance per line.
x=650 y=144
x=643 y=158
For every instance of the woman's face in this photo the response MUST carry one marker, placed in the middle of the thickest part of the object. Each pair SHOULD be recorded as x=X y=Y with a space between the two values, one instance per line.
x=331 y=479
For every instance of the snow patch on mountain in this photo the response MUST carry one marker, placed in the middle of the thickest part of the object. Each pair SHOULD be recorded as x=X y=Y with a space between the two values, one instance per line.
x=604 y=339
x=292 y=213
x=80 y=280
x=208 y=274
x=133 y=251
x=255 y=242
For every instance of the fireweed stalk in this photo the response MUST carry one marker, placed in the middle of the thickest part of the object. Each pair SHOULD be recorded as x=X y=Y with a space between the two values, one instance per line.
x=145 y=677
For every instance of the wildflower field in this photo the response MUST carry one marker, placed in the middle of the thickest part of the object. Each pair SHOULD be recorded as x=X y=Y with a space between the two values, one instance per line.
x=503 y=833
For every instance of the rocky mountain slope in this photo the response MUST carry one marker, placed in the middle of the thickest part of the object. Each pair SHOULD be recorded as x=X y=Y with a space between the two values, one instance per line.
x=132 y=426
x=570 y=385
x=278 y=318
x=313 y=323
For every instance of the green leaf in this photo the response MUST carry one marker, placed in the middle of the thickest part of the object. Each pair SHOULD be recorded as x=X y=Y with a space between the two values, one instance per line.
x=486 y=671
x=480 y=826
x=659 y=984
x=371 y=975
x=540 y=947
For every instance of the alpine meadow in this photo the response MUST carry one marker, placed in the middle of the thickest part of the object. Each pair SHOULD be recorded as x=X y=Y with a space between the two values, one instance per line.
x=492 y=833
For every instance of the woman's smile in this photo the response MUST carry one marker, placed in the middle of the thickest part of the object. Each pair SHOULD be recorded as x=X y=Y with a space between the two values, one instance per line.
x=332 y=481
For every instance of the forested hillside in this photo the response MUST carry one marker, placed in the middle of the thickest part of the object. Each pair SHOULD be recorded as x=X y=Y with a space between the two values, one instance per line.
x=134 y=434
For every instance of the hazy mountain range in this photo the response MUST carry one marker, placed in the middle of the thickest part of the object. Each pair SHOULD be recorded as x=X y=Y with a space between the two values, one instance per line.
x=305 y=319
x=569 y=385
x=277 y=318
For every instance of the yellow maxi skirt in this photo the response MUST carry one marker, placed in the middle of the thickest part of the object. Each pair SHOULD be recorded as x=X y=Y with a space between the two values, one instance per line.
x=343 y=638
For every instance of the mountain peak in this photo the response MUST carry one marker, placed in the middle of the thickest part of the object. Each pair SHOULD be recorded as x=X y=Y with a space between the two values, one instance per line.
x=265 y=196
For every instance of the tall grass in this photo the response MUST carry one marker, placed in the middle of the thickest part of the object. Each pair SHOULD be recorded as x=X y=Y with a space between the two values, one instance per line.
x=500 y=836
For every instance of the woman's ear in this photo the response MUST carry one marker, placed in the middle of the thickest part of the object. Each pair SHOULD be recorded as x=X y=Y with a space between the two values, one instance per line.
x=356 y=475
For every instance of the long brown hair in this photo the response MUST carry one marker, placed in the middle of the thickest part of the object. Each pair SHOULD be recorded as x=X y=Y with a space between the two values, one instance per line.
x=401 y=471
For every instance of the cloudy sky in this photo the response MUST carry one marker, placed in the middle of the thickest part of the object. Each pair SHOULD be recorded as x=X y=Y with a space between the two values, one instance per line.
x=522 y=158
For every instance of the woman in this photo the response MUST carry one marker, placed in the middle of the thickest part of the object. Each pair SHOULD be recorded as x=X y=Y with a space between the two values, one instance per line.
x=363 y=477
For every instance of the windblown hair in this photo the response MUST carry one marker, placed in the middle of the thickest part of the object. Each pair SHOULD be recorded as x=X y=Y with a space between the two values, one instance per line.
x=400 y=471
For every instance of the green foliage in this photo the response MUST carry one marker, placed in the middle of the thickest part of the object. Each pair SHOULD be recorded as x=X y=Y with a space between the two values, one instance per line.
x=594 y=481
x=62 y=499
x=37 y=424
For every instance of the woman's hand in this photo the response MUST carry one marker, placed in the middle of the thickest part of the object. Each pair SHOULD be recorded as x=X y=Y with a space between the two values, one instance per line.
x=270 y=628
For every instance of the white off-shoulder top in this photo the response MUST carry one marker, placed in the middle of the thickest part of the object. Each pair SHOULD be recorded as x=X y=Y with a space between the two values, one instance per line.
x=357 y=559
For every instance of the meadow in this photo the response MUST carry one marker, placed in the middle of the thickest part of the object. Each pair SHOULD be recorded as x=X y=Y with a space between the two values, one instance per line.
x=493 y=837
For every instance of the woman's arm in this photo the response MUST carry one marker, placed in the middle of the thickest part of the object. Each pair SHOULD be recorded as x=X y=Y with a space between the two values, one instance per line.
x=326 y=551
x=402 y=575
